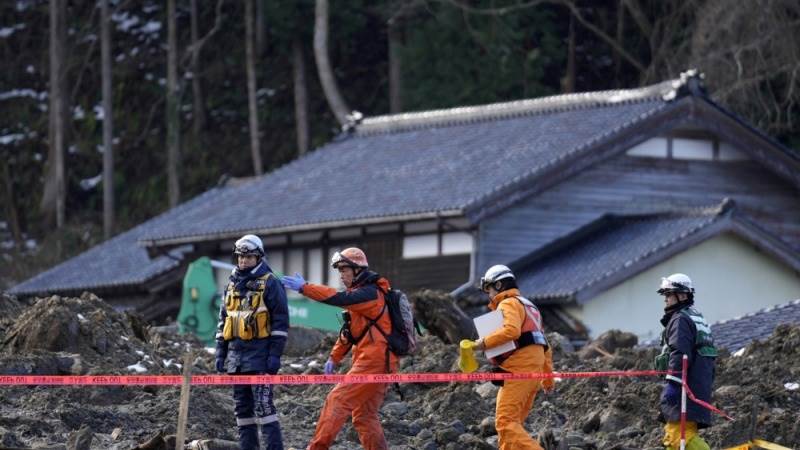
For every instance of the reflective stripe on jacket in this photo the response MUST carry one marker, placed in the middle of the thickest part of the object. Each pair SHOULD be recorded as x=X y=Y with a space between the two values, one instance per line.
x=680 y=338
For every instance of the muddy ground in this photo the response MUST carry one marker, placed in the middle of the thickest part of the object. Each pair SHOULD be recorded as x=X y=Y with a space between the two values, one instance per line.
x=86 y=336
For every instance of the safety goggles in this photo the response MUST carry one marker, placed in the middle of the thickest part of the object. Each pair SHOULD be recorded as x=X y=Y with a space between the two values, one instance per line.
x=339 y=258
x=245 y=250
x=484 y=284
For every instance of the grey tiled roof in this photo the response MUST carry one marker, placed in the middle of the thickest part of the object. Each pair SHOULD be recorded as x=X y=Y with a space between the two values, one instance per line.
x=734 y=334
x=397 y=174
x=389 y=167
x=116 y=263
x=611 y=246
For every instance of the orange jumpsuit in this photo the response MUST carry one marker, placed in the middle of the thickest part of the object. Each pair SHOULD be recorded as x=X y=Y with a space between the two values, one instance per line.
x=515 y=398
x=364 y=301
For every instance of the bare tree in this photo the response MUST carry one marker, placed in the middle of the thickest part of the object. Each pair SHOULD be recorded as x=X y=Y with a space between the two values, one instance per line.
x=300 y=97
x=395 y=64
x=173 y=119
x=568 y=82
x=255 y=148
x=261 y=29
x=750 y=54
x=11 y=204
x=326 y=78
x=199 y=107
x=108 y=123
x=620 y=38
x=53 y=203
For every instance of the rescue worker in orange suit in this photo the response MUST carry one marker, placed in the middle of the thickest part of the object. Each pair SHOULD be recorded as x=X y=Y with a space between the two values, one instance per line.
x=522 y=324
x=363 y=301
x=251 y=336
x=686 y=332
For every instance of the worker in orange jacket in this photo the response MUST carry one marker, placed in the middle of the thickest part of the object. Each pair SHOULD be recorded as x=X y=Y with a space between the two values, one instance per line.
x=522 y=324
x=365 y=309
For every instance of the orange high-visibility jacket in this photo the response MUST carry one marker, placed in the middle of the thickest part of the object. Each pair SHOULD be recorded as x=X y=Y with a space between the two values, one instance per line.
x=365 y=302
x=523 y=359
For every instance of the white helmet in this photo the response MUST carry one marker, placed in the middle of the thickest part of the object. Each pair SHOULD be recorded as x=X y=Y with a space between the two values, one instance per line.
x=494 y=274
x=675 y=283
x=249 y=244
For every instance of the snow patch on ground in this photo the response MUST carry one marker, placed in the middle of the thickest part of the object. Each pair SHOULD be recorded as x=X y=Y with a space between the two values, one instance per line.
x=791 y=386
x=138 y=368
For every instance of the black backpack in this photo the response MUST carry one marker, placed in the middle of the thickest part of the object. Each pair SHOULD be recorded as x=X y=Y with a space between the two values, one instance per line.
x=401 y=338
x=402 y=341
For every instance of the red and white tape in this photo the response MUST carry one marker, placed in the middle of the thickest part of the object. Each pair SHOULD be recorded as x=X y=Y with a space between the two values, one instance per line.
x=206 y=380
x=227 y=380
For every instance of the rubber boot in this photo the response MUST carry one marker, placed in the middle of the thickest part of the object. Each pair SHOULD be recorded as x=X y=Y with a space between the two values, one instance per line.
x=248 y=437
x=697 y=443
x=271 y=434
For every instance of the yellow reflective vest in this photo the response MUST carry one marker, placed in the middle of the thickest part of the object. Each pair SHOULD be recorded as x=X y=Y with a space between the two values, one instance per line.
x=246 y=315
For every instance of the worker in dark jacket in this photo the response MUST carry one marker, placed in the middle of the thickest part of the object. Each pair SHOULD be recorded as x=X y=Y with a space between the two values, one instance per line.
x=685 y=333
x=251 y=335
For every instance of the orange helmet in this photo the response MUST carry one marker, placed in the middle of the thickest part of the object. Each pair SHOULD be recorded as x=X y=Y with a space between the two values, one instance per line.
x=352 y=256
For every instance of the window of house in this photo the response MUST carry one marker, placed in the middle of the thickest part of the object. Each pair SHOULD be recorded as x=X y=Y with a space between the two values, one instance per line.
x=333 y=274
x=421 y=246
x=294 y=261
x=315 y=265
x=275 y=260
x=651 y=148
x=698 y=149
x=687 y=148
x=456 y=243
x=428 y=245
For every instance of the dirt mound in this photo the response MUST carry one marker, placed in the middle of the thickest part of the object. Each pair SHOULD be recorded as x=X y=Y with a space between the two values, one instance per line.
x=593 y=413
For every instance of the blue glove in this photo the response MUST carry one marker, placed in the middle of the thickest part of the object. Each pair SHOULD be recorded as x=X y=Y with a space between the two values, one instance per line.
x=273 y=364
x=330 y=367
x=294 y=283
x=672 y=393
x=219 y=364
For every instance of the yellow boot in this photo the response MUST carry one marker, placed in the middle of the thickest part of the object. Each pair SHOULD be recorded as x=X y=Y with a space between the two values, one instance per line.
x=697 y=443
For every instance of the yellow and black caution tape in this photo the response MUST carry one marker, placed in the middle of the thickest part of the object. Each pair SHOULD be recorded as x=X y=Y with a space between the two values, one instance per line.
x=758 y=443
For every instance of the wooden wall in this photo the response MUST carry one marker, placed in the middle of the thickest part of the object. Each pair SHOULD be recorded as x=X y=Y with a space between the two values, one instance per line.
x=628 y=184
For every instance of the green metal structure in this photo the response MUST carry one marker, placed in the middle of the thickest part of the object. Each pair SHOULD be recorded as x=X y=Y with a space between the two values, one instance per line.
x=200 y=301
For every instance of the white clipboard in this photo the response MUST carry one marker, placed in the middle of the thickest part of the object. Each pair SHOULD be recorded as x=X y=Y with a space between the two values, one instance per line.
x=487 y=324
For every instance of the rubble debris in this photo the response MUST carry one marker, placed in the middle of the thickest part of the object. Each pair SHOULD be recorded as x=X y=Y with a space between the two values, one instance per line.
x=440 y=316
x=607 y=344
x=590 y=413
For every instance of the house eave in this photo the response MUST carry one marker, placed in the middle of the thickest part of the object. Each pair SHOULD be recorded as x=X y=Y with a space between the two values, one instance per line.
x=317 y=226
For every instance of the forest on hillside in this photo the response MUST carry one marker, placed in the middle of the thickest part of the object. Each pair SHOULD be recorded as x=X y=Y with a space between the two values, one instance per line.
x=112 y=111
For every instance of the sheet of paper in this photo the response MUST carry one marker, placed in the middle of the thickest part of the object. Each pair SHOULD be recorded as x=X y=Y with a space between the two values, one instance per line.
x=486 y=324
